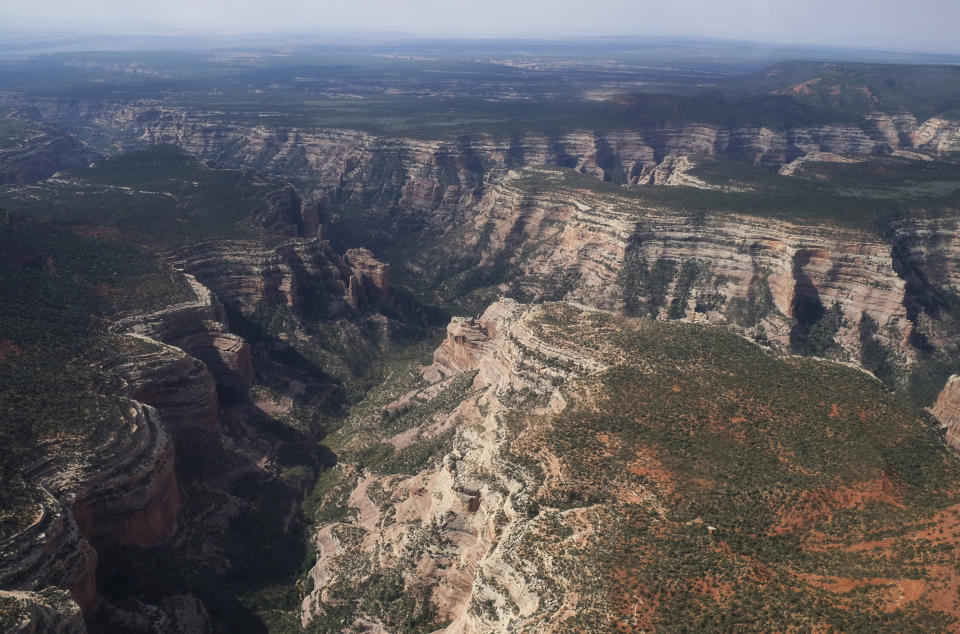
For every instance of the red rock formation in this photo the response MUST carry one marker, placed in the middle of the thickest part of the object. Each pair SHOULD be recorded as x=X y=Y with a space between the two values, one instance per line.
x=460 y=351
x=369 y=281
x=196 y=327
x=134 y=501
x=51 y=552
x=146 y=517
x=244 y=274
x=121 y=491
x=178 y=385
x=947 y=411
x=297 y=273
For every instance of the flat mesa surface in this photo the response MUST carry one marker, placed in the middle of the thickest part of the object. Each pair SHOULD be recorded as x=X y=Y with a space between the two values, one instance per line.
x=831 y=503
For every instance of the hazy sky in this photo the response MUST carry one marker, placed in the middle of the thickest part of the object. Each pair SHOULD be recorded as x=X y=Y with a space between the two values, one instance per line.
x=920 y=25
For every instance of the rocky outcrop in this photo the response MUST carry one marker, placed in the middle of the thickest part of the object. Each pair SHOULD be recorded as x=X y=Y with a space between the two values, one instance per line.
x=118 y=489
x=472 y=499
x=43 y=154
x=50 y=611
x=245 y=273
x=444 y=173
x=303 y=274
x=51 y=551
x=674 y=170
x=286 y=213
x=620 y=155
x=120 y=486
x=927 y=256
x=514 y=523
x=198 y=328
x=466 y=341
x=735 y=257
x=947 y=411
x=178 y=385
x=135 y=501
x=369 y=279
x=611 y=253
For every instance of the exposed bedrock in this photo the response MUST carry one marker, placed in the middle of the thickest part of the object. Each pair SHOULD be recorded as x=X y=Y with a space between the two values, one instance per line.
x=41 y=156
x=369 y=279
x=434 y=174
x=287 y=213
x=947 y=411
x=120 y=491
x=441 y=180
x=51 y=552
x=466 y=341
x=743 y=270
x=50 y=611
x=303 y=274
x=624 y=155
x=122 y=488
x=927 y=256
x=135 y=502
x=470 y=496
x=198 y=328
x=178 y=385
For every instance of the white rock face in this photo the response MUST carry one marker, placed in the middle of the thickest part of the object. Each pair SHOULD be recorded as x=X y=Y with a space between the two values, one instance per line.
x=470 y=496
x=572 y=244
x=947 y=411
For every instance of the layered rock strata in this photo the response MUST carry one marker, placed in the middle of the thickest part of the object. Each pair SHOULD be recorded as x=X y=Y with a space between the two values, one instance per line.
x=369 y=279
x=629 y=156
x=468 y=501
x=303 y=274
x=121 y=491
x=514 y=522
x=180 y=386
x=434 y=174
x=134 y=502
x=947 y=411
x=198 y=328
x=42 y=155
x=604 y=251
x=51 y=611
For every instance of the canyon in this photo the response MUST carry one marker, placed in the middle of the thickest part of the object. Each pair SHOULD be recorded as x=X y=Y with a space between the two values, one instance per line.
x=575 y=380
x=42 y=154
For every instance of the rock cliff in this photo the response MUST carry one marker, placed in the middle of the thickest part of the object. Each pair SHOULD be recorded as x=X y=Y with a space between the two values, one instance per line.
x=437 y=500
x=448 y=527
x=197 y=327
x=51 y=610
x=178 y=385
x=41 y=155
x=516 y=519
x=627 y=156
x=133 y=502
x=617 y=254
x=437 y=173
x=302 y=274
x=119 y=489
x=947 y=411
